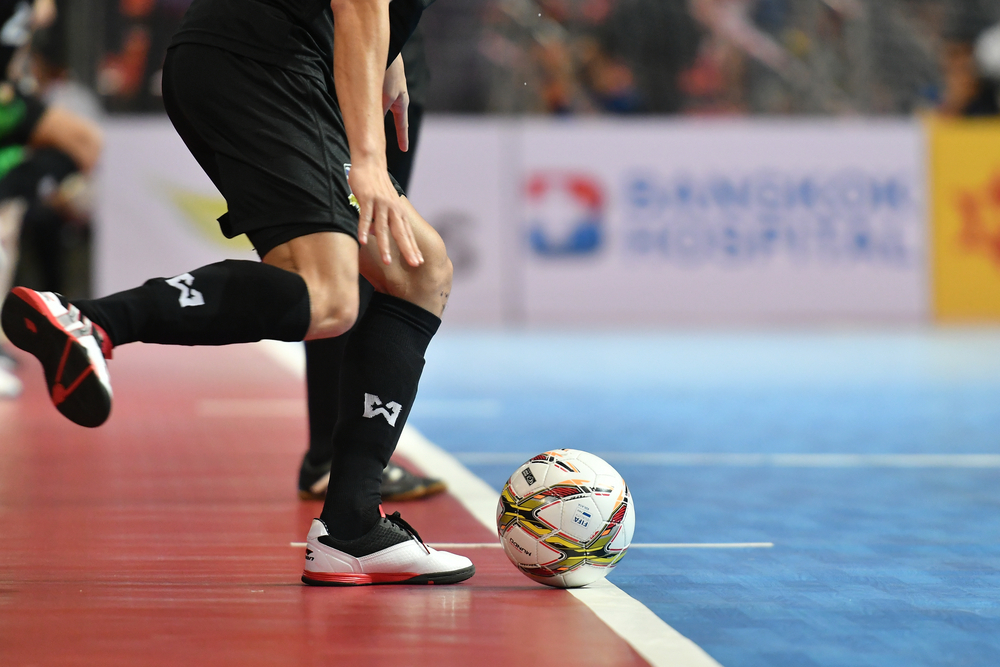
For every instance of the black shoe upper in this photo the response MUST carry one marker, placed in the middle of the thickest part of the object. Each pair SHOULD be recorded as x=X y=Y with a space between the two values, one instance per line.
x=388 y=531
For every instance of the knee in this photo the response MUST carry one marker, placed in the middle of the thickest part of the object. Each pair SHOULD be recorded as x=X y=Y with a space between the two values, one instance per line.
x=333 y=311
x=430 y=285
x=437 y=271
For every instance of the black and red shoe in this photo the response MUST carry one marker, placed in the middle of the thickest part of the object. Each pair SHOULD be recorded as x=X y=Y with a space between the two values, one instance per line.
x=71 y=348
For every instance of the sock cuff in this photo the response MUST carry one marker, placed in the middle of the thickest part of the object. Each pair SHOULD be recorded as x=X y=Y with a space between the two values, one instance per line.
x=423 y=320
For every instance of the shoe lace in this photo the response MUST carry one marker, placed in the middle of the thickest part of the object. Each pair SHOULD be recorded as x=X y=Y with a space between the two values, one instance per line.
x=399 y=521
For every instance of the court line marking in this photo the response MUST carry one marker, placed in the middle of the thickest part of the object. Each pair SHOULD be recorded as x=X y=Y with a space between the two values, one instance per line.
x=762 y=460
x=639 y=545
x=649 y=635
x=296 y=407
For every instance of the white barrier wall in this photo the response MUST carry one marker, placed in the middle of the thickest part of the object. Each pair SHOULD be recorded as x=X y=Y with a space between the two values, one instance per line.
x=157 y=209
x=603 y=222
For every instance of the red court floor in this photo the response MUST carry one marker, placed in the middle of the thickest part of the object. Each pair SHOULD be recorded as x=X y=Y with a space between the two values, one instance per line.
x=163 y=538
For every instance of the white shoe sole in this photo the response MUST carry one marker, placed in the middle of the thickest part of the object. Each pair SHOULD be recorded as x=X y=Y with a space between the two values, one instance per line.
x=409 y=562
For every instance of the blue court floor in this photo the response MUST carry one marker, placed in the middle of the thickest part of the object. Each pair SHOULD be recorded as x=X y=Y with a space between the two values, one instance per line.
x=878 y=560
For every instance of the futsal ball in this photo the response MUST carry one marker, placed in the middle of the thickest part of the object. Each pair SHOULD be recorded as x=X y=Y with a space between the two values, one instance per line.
x=565 y=518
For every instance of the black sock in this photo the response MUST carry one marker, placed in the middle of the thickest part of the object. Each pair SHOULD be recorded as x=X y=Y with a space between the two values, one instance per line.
x=324 y=358
x=235 y=301
x=382 y=364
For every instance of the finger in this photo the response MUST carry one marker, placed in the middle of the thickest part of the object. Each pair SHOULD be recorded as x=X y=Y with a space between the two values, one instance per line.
x=364 y=220
x=402 y=120
x=402 y=232
x=382 y=233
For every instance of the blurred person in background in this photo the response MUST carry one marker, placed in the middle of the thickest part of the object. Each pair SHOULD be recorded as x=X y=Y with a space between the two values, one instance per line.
x=582 y=56
x=988 y=63
x=657 y=40
x=130 y=74
x=55 y=232
x=41 y=149
x=971 y=83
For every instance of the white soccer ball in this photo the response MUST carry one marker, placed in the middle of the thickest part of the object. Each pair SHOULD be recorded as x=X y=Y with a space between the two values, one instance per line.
x=565 y=518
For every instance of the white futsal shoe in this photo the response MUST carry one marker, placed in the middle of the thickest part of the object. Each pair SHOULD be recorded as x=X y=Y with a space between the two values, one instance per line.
x=390 y=553
x=68 y=345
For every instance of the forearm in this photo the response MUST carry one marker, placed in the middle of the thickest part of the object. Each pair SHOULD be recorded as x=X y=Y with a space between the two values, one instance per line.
x=361 y=45
x=74 y=135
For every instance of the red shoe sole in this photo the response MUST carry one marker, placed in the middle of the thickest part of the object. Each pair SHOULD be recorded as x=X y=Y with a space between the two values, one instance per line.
x=351 y=579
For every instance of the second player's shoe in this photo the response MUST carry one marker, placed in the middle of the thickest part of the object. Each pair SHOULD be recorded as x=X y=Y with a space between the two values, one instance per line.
x=68 y=345
x=390 y=553
x=398 y=483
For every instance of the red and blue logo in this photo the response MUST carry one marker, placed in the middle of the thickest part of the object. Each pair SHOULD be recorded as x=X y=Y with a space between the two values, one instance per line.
x=564 y=213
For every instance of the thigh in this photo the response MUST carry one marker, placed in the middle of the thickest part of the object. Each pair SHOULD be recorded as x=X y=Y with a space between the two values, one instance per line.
x=276 y=139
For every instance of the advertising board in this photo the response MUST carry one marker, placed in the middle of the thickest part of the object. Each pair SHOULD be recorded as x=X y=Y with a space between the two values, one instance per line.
x=723 y=222
x=601 y=222
x=965 y=177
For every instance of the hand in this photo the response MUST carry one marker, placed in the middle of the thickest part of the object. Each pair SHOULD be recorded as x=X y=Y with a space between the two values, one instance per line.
x=382 y=212
x=395 y=98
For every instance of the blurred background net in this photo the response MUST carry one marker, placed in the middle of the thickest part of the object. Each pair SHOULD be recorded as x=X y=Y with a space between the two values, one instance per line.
x=836 y=57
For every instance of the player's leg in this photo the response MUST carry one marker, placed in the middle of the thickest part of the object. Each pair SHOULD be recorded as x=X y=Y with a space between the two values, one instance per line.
x=382 y=366
x=226 y=302
x=323 y=363
x=383 y=360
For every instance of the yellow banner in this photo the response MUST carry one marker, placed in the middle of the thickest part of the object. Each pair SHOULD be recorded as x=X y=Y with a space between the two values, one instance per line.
x=965 y=186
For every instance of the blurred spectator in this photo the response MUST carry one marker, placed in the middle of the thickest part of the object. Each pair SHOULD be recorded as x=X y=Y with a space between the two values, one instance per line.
x=968 y=89
x=138 y=33
x=44 y=189
x=579 y=56
x=636 y=56
x=43 y=150
x=656 y=40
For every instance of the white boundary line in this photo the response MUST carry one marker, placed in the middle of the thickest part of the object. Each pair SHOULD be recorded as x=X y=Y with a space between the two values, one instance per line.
x=658 y=643
x=634 y=545
x=763 y=460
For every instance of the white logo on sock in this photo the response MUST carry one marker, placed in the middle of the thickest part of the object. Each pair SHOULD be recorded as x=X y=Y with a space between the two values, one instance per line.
x=189 y=296
x=390 y=411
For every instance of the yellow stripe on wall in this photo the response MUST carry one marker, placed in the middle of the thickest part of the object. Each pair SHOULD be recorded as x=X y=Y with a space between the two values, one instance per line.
x=965 y=190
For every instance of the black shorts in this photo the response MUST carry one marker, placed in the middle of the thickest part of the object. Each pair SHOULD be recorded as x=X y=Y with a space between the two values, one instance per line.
x=272 y=141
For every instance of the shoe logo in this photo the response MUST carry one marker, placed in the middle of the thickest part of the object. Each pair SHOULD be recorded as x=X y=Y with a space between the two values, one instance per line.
x=390 y=411
x=309 y=555
x=189 y=295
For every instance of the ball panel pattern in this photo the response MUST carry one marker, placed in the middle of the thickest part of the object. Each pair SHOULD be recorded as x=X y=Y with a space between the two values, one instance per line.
x=565 y=518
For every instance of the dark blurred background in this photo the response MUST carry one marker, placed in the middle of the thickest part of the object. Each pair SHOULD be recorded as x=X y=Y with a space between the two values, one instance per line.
x=616 y=56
